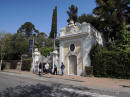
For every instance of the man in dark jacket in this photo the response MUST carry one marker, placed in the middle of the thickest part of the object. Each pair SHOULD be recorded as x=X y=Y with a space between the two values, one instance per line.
x=62 y=68
x=55 y=69
x=40 y=68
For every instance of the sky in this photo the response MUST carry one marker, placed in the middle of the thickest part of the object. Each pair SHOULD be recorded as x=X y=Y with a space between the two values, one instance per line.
x=14 y=13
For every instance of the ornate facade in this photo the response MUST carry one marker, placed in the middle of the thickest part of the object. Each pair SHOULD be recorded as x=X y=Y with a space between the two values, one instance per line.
x=76 y=41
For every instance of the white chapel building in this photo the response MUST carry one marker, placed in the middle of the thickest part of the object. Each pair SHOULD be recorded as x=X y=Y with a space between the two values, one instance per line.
x=76 y=41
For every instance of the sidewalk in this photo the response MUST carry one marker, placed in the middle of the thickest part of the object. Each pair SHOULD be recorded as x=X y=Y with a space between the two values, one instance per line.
x=98 y=83
x=91 y=82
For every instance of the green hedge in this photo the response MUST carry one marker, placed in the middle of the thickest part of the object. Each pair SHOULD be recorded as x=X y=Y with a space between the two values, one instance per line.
x=26 y=65
x=110 y=62
x=89 y=70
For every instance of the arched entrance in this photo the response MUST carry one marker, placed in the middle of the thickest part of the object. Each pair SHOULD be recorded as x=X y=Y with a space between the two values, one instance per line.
x=73 y=65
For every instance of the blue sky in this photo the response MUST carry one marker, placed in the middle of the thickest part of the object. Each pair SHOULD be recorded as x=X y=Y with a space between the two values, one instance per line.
x=14 y=13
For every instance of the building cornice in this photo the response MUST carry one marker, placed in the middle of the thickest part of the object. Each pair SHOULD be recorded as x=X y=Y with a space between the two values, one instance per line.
x=84 y=34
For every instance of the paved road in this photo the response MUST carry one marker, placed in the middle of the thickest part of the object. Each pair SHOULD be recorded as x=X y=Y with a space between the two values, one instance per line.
x=21 y=85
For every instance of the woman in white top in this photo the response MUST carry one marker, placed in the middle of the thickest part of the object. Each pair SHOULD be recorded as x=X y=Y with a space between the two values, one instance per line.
x=47 y=67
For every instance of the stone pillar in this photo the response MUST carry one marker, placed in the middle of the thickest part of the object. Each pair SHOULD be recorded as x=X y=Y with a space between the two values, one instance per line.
x=54 y=55
x=36 y=58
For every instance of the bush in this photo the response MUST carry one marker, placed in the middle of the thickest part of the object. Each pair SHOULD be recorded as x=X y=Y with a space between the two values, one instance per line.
x=26 y=65
x=110 y=62
x=46 y=51
x=89 y=70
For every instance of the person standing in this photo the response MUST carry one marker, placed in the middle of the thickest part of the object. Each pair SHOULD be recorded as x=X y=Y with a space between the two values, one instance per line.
x=44 y=69
x=55 y=69
x=47 y=67
x=62 y=68
x=50 y=68
x=40 y=69
x=36 y=68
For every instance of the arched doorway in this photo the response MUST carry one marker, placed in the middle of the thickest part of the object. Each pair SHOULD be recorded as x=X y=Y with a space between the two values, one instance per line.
x=73 y=65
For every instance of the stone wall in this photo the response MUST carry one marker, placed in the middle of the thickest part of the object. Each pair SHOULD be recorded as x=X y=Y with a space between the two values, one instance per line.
x=11 y=64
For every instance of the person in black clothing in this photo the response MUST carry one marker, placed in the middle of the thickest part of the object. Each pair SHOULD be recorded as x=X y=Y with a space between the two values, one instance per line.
x=44 y=69
x=40 y=68
x=55 y=69
x=50 y=68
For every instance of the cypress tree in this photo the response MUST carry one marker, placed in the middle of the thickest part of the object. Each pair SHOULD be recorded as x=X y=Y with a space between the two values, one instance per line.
x=53 y=32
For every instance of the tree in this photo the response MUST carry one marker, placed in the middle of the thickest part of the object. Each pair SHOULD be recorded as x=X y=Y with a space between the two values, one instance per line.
x=42 y=34
x=28 y=29
x=2 y=47
x=90 y=19
x=111 y=15
x=21 y=45
x=16 y=45
x=9 y=44
x=123 y=10
x=72 y=13
x=123 y=34
x=46 y=51
x=53 y=32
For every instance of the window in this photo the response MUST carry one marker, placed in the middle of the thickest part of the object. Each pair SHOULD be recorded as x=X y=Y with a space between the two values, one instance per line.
x=72 y=47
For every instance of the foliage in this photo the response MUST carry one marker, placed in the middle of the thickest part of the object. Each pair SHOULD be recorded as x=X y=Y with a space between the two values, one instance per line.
x=57 y=43
x=123 y=35
x=39 y=41
x=89 y=70
x=110 y=61
x=26 y=65
x=42 y=34
x=114 y=58
x=90 y=19
x=111 y=14
x=16 y=45
x=49 y=43
x=2 y=47
x=72 y=13
x=2 y=44
x=53 y=32
x=44 y=44
x=46 y=51
x=28 y=29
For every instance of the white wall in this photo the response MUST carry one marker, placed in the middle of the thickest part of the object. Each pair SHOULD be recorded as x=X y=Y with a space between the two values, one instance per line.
x=87 y=42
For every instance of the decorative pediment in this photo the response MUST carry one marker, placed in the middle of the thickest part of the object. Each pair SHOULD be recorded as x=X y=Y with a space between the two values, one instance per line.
x=74 y=28
x=77 y=29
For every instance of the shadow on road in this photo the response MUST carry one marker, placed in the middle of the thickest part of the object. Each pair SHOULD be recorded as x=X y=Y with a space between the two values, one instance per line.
x=38 y=90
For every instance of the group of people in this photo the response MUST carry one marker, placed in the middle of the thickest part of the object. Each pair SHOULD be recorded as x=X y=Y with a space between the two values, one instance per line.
x=48 y=68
